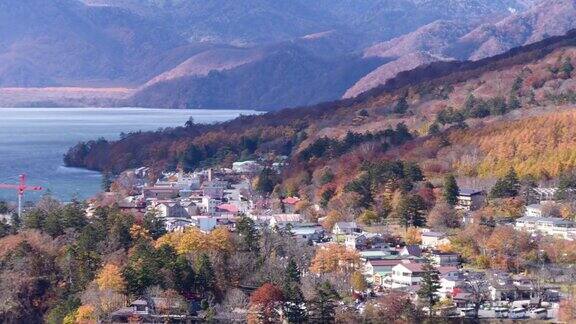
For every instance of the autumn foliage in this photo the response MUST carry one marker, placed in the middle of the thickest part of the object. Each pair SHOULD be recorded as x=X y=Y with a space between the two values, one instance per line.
x=264 y=302
x=539 y=146
x=335 y=258
x=501 y=247
x=110 y=277
x=194 y=240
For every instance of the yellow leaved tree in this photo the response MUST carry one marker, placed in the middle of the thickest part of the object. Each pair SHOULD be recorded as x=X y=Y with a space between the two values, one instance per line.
x=194 y=240
x=111 y=278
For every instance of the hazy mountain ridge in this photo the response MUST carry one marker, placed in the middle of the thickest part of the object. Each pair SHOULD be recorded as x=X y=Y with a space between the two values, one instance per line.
x=288 y=76
x=65 y=42
x=549 y=18
x=258 y=21
x=458 y=40
x=194 y=45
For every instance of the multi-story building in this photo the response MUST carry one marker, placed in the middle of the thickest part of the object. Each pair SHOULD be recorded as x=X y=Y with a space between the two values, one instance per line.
x=470 y=199
x=547 y=226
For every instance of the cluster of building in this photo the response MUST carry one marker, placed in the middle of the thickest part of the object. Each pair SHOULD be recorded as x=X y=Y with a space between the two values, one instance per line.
x=210 y=198
x=539 y=218
x=403 y=268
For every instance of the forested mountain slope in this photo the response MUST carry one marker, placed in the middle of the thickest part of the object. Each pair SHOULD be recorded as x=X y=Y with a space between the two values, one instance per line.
x=434 y=102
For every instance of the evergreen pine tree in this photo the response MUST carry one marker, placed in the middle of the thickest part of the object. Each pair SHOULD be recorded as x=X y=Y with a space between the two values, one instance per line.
x=266 y=181
x=567 y=67
x=433 y=129
x=517 y=85
x=106 y=181
x=402 y=105
x=451 y=190
x=292 y=272
x=249 y=234
x=513 y=102
x=205 y=279
x=3 y=207
x=429 y=286
x=469 y=104
x=294 y=308
x=410 y=211
x=323 y=307
x=155 y=225
x=506 y=187
x=15 y=222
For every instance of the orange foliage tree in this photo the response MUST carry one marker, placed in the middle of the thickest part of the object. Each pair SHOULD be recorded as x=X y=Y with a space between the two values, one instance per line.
x=194 y=240
x=538 y=146
x=265 y=303
x=335 y=258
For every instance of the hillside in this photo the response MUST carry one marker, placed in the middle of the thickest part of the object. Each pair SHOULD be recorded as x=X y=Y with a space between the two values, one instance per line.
x=296 y=73
x=98 y=45
x=167 y=49
x=438 y=98
x=224 y=21
x=389 y=70
x=549 y=18
x=472 y=39
x=540 y=146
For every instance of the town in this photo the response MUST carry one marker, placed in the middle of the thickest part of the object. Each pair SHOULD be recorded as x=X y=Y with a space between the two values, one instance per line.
x=418 y=264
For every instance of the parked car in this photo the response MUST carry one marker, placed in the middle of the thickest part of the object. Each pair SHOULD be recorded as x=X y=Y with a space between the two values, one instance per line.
x=468 y=312
x=501 y=312
x=539 y=313
x=517 y=313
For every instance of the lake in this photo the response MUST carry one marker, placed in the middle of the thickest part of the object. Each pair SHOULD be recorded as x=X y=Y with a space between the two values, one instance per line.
x=34 y=140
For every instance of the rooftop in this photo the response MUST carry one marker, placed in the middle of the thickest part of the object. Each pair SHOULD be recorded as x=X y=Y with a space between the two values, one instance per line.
x=433 y=234
x=287 y=217
x=469 y=192
x=346 y=225
x=291 y=200
x=384 y=263
x=413 y=267
x=545 y=220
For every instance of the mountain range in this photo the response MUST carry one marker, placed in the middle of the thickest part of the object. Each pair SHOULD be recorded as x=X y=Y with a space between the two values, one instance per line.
x=259 y=54
x=472 y=118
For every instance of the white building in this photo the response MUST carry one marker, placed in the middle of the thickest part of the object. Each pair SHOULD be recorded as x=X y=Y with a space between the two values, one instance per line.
x=545 y=194
x=345 y=228
x=308 y=233
x=247 y=167
x=379 y=271
x=431 y=240
x=449 y=281
x=177 y=224
x=445 y=259
x=170 y=209
x=534 y=210
x=407 y=274
x=547 y=226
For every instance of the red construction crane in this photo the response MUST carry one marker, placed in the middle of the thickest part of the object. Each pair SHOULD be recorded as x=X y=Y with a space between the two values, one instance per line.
x=21 y=187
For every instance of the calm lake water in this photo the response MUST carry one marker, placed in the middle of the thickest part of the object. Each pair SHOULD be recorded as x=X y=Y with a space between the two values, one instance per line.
x=33 y=141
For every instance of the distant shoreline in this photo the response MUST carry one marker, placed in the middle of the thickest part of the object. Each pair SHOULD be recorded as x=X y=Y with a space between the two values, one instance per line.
x=78 y=97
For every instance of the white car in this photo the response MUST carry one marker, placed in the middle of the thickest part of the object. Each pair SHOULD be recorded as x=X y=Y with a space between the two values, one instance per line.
x=516 y=313
x=539 y=313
